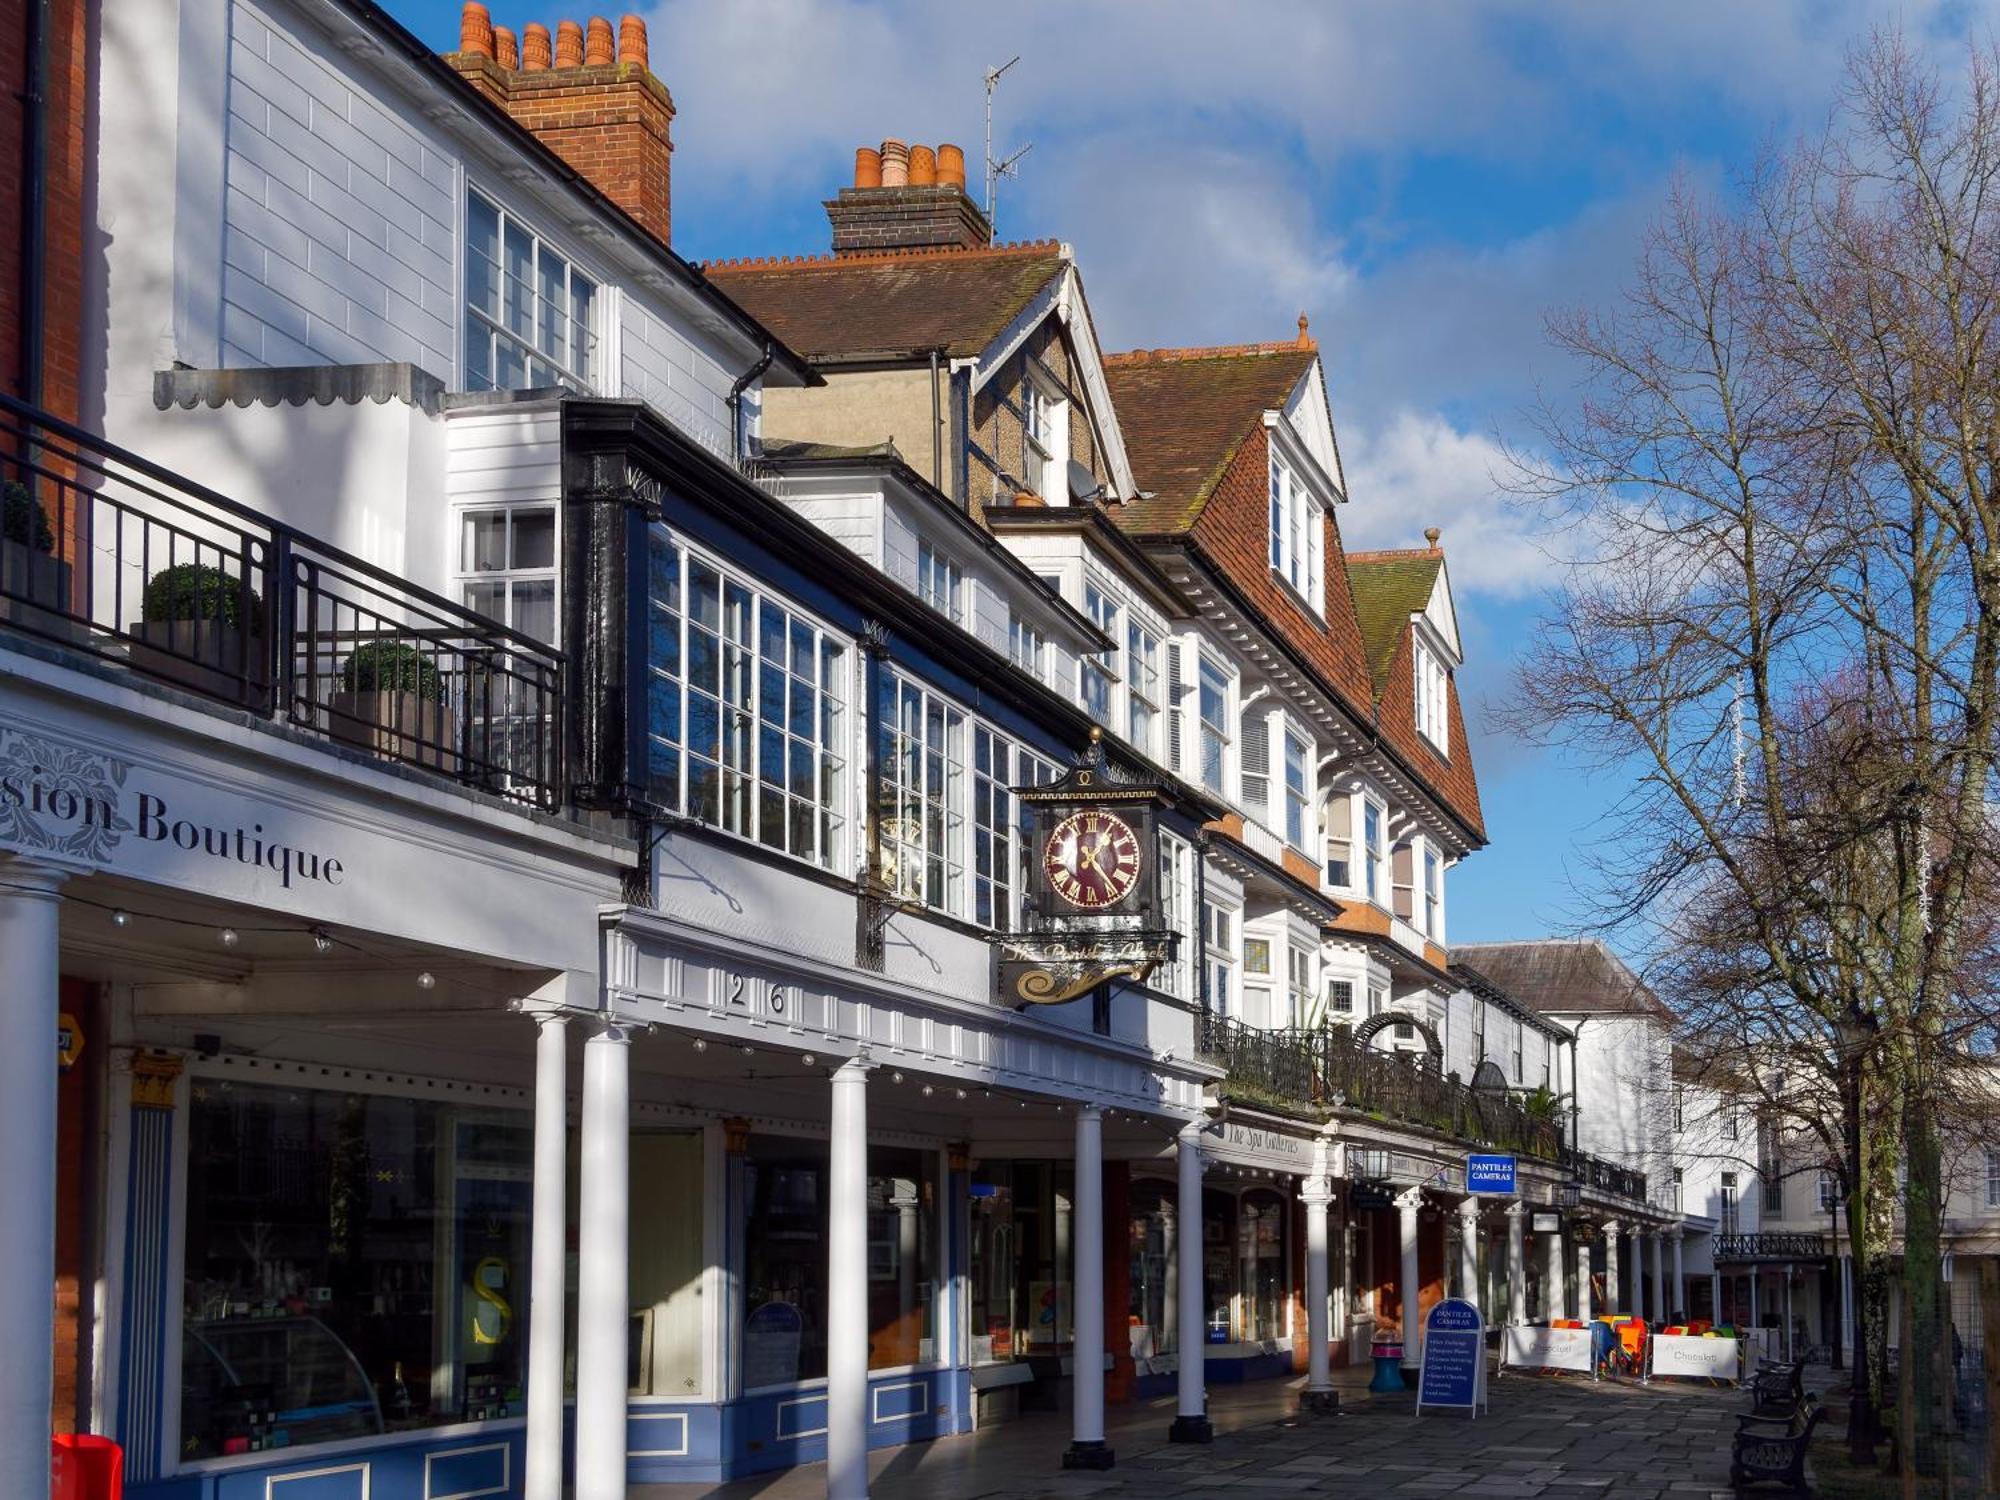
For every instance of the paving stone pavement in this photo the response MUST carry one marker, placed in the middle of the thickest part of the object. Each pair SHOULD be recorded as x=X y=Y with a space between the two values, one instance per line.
x=1543 y=1440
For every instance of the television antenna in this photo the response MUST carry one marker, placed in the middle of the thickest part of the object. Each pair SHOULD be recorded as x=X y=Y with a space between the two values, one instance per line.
x=995 y=170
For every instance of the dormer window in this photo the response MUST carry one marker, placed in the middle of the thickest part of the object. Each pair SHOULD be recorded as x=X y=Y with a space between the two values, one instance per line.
x=529 y=312
x=1432 y=686
x=1045 y=441
x=1298 y=543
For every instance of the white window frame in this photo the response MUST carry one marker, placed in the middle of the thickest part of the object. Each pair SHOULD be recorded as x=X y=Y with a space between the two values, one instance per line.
x=1430 y=875
x=940 y=581
x=1375 y=852
x=1297 y=529
x=1993 y=1176
x=1005 y=883
x=1299 y=981
x=1143 y=688
x=1344 y=982
x=1213 y=731
x=1430 y=679
x=1106 y=612
x=1027 y=647
x=831 y=747
x=1176 y=908
x=943 y=777
x=583 y=376
x=508 y=574
x=1045 y=434
x=1225 y=997
x=1298 y=801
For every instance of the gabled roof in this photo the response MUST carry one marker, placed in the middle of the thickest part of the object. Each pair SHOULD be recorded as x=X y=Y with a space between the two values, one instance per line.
x=1564 y=976
x=1185 y=412
x=895 y=304
x=1389 y=587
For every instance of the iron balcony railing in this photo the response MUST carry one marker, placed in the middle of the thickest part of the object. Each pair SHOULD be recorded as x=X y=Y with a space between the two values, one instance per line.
x=108 y=553
x=1313 y=1070
x=1759 y=1247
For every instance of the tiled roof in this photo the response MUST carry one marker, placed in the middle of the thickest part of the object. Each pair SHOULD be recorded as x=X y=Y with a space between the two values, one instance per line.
x=1388 y=588
x=895 y=303
x=1185 y=412
x=1568 y=976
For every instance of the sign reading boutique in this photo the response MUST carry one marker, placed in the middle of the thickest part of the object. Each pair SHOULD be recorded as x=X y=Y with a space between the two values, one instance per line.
x=58 y=799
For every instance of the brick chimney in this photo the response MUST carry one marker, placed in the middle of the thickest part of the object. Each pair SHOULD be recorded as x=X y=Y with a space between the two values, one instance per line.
x=591 y=99
x=907 y=198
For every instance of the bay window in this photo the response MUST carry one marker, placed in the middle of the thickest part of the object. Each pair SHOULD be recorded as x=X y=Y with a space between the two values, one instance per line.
x=1000 y=844
x=1213 y=704
x=1298 y=782
x=746 y=717
x=1095 y=676
x=1142 y=684
x=529 y=312
x=1299 y=971
x=921 y=798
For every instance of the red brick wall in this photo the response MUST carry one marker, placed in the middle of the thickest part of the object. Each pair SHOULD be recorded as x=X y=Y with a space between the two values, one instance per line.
x=63 y=252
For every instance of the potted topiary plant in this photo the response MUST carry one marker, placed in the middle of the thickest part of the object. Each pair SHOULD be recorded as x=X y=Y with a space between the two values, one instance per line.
x=204 y=629
x=32 y=578
x=391 y=702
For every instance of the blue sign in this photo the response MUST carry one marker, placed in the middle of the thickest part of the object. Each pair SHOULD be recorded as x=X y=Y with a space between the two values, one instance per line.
x=1454 y=1357
x=1490 y=1174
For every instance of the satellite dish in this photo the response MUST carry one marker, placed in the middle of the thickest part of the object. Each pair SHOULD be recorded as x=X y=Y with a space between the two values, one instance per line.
x=1083 y=485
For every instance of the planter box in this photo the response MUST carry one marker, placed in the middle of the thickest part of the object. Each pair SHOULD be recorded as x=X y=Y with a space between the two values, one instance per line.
x=206 y=656
x=401 y=726
x=35 y=591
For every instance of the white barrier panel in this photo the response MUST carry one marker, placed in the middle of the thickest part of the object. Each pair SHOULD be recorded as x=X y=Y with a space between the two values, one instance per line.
x=1705 y=1359
x=1546 y=1348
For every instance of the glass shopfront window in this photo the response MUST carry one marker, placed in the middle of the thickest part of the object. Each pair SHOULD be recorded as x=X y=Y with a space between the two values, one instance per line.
x=1260 y=1252
x=785 y=1238
x=355 y=1264
x=1153 y=1310
x=1020 y=1260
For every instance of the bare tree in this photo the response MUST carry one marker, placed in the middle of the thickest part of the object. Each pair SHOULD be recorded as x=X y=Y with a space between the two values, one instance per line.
x=1783 y=627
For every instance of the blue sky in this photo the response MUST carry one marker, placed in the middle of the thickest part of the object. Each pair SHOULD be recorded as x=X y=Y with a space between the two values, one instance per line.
x=1424 y=180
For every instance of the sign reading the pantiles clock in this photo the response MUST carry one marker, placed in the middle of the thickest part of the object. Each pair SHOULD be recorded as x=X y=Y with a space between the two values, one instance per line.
x=1093 y=884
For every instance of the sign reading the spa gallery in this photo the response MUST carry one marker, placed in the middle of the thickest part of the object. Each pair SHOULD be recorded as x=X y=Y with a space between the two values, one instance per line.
x=82 y=804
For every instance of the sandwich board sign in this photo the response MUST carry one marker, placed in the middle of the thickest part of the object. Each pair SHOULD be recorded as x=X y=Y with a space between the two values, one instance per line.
x=1454 y=1358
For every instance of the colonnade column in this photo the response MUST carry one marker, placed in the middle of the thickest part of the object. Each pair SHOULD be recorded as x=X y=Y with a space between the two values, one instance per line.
x=1191 y=1415
x=1468 y=1251
x=1680 y=1300
x=542 y=1465
x=1614 y=1291
x=603 y=1293
x=1661 y=1312
x=1638 y=1248
x=1583 y=1298
x=30 y=937
x=1517 y=1269
x=1407 y=1285
x=1552 y=1273
x=1087 y=1448
x=1316 y=1194
x=847 y=1286
x=1715 y=1296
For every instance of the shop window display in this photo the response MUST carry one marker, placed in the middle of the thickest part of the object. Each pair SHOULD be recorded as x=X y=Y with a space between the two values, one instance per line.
x=355 y=1264
x=1155 y=1243
x=1260 y=1249
x=784 y=1333
x=1020 y=1260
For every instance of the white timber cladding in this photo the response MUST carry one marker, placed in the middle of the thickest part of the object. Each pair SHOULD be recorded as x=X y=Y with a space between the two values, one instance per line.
x=342 y=236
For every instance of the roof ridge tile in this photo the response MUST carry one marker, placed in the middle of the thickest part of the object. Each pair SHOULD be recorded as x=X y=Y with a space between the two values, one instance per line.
x=1212 y=351
x=878 y=257
x=1397 y=554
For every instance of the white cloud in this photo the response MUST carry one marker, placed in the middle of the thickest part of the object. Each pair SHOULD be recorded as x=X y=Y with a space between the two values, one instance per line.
x=1418 y=471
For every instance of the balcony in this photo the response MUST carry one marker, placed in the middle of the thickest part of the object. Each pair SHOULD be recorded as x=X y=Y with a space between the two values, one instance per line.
x=1769 y=1247
x=1308 y=1072
x=106 y=553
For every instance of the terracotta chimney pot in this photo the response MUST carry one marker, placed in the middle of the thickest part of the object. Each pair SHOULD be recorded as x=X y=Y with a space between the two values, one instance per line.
x=535 y=50
x=598 y=47
x=475 y=29
x=1305 y=338
x=867 y=167
x=923 y=167
x=569 y=44
x=895 y=164
x=632 y=40
x=951 y=167
x=505 y=52
x=1433 y=536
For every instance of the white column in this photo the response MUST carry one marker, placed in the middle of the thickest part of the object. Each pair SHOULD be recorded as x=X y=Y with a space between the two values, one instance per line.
x=1614 y=1291
x=542 y=1468
x=1661 y=1312
x=30 y=936
x=847 y=1286
x=1583 y=1298
x=1407 y=1285
x=603 y=1294
x=1468 y=1251
x=1680 y=1279
x=1087 y=1448
x=1517 y=1268
x=1715 y=1296
x=1552 y=1275
x=1316 y=1194
x=1191 y=1409
x=1638 y=1271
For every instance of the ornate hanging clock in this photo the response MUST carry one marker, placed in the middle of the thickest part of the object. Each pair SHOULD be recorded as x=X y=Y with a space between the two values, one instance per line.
x=1093 y=880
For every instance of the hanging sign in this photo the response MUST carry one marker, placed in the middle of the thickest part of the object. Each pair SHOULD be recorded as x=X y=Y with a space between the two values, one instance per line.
x=69 y=1040
x=1489 y=1174
x=1365 y=1197
x=1454 y=1357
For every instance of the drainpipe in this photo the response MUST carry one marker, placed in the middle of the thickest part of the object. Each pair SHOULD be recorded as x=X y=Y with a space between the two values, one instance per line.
x=1575 y=1089
x=34 y=208
x=937 y=424
x=736 y=400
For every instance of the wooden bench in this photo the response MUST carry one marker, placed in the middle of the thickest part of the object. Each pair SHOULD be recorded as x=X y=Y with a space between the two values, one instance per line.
x=1777 y=1390
x=1772 y=1451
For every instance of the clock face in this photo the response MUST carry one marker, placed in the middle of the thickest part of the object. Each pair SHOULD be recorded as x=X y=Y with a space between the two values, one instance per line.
x=1092 y=860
